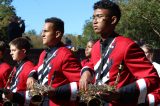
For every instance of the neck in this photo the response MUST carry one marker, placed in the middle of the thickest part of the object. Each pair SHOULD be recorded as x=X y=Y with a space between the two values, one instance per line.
x=55 y=45
x=22 y=59
x=105 y=36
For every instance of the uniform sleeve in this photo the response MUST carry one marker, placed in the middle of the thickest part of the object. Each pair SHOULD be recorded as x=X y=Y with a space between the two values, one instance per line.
x=66 y=92
x=6 y=74
x=18 y=97
x=71 y=68
x=153 y=98
x=144 y=73
x=33 y=74
x=88 y=67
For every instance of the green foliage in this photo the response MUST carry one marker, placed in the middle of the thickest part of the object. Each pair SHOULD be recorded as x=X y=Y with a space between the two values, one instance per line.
x=6 y=2
x=31 y=32
x=6 y=11
x=36 y=40
x=88 y=33
x=141 y=20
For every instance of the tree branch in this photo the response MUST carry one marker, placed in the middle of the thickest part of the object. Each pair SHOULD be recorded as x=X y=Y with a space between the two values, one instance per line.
x=152 y=26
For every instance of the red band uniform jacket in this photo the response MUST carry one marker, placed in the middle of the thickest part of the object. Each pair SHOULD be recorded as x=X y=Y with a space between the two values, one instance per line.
x=138 y=77
x=65 y=68
x=5 y=70
x=18 y=81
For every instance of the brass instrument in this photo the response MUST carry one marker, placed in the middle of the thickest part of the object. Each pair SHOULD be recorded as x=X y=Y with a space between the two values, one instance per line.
x=37 y=93
x=38 y=90
x=7 y=102
x=90 y=97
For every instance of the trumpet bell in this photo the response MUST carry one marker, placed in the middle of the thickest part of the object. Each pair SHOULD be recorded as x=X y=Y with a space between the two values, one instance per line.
x=94 y=102
x=7 y=103
x=91 y=102
x=36 y=99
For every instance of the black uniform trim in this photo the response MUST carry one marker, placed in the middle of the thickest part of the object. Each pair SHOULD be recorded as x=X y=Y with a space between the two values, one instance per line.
x=129 y=93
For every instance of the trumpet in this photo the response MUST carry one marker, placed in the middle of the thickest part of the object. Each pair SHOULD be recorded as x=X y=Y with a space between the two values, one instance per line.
x=7 y=103
x=37 y=93
x=38 y=90
x=90 y=97
x=92 y=101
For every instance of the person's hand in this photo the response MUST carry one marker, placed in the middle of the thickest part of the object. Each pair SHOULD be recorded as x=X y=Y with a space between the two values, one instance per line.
x=30 y=82
x=7 y=94
x=109 y=96
x=84 y=80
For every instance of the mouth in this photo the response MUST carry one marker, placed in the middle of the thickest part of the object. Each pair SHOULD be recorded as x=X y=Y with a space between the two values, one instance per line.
x=44 y=38
x=95 y=27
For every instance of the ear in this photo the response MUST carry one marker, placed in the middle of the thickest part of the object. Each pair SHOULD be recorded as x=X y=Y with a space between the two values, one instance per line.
x=1 y=54
x=58 y=34
x=114 y=20
x=24 y=50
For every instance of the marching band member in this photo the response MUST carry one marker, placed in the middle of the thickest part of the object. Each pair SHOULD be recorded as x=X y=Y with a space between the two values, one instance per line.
x=137 y=77
x=58 y=61
x=19 y=48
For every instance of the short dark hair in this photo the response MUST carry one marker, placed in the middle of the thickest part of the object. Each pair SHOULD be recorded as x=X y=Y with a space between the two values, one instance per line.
x=58 y=23
x=21 y=43
x=107 y=4
x=2 y=46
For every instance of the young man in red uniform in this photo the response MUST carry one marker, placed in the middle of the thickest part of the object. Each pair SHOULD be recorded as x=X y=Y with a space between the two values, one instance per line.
x=57 y=67
x=5 y=69
x=15 y=93
x=137 y=77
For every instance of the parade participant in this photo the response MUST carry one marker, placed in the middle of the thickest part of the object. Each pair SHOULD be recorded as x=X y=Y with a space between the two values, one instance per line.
x=88 y=49
x=117 y=61
x=16 y=86
x=58 y=61
x=154 y=97
x=16 y=28
x=148 y=50
x=5 y=69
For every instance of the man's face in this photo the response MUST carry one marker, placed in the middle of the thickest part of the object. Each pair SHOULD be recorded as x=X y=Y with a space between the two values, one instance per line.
x=101 y=21
x=49 y=34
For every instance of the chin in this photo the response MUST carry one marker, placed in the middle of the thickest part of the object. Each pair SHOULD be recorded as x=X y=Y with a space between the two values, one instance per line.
x=97 y=32
x=44 y=43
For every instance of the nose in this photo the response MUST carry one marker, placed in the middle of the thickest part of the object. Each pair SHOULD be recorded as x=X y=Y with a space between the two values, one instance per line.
x=10 y=53
x=86 y=49
x=94 y=21
x=42 y=33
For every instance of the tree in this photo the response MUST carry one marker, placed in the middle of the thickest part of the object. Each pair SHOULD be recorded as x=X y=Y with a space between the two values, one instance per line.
x=88 y=33
x=6 y=2
x=6 y=11
x=36 y=40
x=141 y=20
